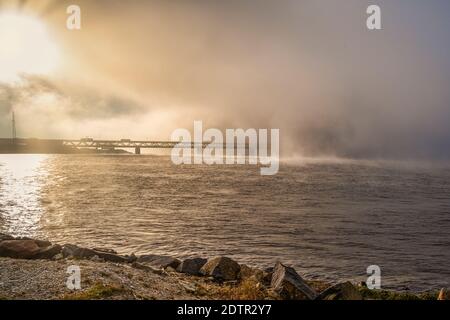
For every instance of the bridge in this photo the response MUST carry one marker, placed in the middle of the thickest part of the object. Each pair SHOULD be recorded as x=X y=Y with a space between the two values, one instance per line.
x=20 y=145
x=129 y=144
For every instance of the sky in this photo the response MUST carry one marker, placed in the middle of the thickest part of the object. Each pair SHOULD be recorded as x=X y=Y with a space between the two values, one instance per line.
x=141 y=69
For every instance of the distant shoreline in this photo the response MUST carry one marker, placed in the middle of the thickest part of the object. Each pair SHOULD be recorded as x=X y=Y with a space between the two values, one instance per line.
x=77 y=151
x=42 y=146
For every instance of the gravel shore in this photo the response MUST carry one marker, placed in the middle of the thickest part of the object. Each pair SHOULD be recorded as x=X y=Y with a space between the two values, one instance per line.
x=38 y=269
x=43 y=279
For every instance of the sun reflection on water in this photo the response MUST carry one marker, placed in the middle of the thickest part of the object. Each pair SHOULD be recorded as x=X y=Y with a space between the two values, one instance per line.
x=21 y=180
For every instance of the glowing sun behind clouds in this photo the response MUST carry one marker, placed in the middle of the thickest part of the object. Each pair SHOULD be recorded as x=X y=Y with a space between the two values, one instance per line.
x=26 y=47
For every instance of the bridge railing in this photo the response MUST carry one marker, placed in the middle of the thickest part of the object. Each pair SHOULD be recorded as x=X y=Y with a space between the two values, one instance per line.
x=104 y=144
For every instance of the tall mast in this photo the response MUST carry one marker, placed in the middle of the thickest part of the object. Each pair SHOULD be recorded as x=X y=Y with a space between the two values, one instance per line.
x=14 y=132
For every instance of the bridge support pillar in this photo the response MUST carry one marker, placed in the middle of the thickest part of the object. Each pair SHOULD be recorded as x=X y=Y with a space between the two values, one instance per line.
x=137 y=150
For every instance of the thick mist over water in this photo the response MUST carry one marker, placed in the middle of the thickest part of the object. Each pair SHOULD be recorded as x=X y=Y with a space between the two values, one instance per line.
x=140 y=69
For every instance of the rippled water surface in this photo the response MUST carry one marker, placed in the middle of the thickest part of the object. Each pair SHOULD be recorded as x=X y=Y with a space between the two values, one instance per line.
x=329 y=219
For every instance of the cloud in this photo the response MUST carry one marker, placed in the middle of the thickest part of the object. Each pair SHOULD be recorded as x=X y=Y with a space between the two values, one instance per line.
x=309 y=68
x=41 y=106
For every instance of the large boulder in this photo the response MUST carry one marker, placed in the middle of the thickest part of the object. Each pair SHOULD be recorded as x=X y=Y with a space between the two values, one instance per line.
x=289 y=285
x=28 y=249
x=159 y=261
x=40 y=243
x=19 y=249
x=341 y=291
x=73 y=251
x=112 y=257
x=221 y=268
x=191 y=266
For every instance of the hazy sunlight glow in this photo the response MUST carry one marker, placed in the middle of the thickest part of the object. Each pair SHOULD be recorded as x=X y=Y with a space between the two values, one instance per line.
x=26 y=47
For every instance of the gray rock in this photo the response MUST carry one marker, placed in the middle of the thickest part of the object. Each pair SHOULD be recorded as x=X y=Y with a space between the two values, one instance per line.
x=169 y=269
x=105 y=250
x=49 y=252
x=131 y=258
x=341 y=291
x=191 y=266
x=73 y=251
x=159 y=261
x=289 y=285
x=27 y=248
x=58 y=257
x=96 y=259
x=111 y=257
x=70 y=250
x=221 y=268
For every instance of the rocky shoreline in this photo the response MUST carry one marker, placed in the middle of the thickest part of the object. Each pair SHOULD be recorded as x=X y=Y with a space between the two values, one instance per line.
x=37 y=269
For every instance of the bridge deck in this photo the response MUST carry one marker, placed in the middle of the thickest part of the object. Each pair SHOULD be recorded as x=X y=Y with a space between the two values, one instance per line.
x=130 y=144
x=107 y=144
